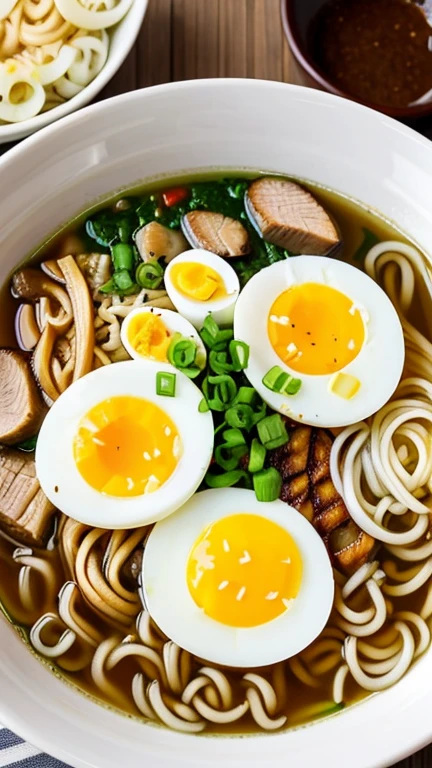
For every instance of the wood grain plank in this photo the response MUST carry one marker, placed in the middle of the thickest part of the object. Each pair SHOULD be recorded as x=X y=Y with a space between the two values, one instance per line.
x=267 y=46
x=154 y=45
x=233 y=38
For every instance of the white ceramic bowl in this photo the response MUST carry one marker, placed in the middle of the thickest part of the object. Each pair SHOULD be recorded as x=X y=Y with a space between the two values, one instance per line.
x=165 y=130
x=122 y=39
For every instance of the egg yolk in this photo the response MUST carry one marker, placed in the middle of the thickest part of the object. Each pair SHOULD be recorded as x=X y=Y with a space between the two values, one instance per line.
x=315 y=329
x=126 y=446
x=149 y=336
x=244 y=570
x=198 y=281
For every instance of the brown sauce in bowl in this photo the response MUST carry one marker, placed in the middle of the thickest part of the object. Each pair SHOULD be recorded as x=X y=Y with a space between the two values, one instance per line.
x=379 y=51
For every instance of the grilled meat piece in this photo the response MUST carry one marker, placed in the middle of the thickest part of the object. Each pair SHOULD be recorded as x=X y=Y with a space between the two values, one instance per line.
x=216 y=233
x=304 y=464
x=25 y=512
x=289 y=216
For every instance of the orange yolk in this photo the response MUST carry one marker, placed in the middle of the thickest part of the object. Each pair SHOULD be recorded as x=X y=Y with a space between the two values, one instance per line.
x=149 y=336
x=315 y=329
x=244 y=570
x=126 y=446
x=198 y=281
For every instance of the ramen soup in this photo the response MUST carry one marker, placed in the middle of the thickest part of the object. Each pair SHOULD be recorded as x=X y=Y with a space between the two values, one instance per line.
x=216 y=454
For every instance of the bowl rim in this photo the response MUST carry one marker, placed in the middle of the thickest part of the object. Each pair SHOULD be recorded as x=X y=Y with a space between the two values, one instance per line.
x=132 y=24
x=394 y=743
x=302 y=56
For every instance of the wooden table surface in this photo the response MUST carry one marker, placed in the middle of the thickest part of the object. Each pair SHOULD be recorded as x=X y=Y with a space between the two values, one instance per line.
x=189 y=39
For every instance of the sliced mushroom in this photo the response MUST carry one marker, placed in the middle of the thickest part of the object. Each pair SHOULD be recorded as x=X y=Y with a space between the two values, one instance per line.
x=41 y=364
x=154 y=241
x=32 y=285
x=131 y=569
x=25 y=512
x=52 y=269
x=217 y=233
x=83 y=313
x=288 y=215
x=26 y=327
x=350 y=546
x=96 y=268
x=21 y=407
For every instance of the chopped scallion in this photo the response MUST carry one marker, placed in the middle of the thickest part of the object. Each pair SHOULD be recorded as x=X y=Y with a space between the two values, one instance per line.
x=149 y=275
x=272 y=431
x=240 y=415
x=165 y=383
x=181 y=351
x=239 y=352
x=257 y=456
x=267 y=484
x=122 y=257
x=203 y=406
x=281 y=382
x=219 y=363
x=228 y=456
x=246 y=395
x=227 y=479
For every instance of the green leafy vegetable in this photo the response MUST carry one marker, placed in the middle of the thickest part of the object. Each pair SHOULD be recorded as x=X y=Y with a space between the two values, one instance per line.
x=369 y=240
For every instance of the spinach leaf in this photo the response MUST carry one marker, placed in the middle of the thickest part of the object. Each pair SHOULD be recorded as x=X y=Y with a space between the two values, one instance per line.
x=369 y=240
x=108 y=227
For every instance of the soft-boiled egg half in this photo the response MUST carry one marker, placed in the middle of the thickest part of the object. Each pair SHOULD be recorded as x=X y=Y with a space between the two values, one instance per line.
x=199 y=282
x=147 y=333
x=328 y=324
x=112 y=453
x=247 y=583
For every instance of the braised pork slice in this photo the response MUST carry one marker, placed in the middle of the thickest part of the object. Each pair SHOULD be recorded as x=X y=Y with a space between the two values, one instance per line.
x=25 y=512
x=217 y=233
x=289 y=216
x=21 y=406
x=304 y=464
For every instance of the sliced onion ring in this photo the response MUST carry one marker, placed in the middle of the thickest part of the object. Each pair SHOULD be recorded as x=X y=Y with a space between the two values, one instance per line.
x=48 y=73
x=83 y=18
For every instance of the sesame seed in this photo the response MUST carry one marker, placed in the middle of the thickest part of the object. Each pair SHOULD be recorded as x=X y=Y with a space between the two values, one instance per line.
x=156 y=453
x=176 y=447
x=130 y=483
x=167 y=431
x=223 y=585
x=272 y=596
x=97 y=441
x=226 y=546
x=147 y=456
x=246 y=558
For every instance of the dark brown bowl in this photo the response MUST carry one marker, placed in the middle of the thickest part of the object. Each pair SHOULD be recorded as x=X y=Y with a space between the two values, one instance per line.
x=296 y=17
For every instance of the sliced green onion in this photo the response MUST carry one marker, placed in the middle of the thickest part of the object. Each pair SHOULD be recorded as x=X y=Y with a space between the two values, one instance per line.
x=260 y=413
x=149 y=275
x=218 y=362
x=228 y=456
x=224 y=391
x=122 y=257
x=234 y=437
x=211 y=328
x=165 y=383
x=267 y=484
x=227 y=479
x=281 y=382
x=239 y=352
x=213 y=337
x=122 y=280
x=257 y=456
x=181 y=351
x=191 y=372
x=203 y=406
x=272 y=431
x=240 y=415
x=246 y=395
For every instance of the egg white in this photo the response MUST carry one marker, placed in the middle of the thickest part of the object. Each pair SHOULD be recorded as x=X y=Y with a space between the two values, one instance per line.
x=56 y=469
x=173 y=321
x=378 y=366
x=196 y=312
x=169 y=602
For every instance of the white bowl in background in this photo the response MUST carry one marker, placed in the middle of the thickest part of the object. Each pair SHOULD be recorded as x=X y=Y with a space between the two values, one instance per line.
x=167 y=130
x=122 y=39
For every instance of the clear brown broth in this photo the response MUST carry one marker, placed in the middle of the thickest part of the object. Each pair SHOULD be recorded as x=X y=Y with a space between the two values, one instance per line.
x=352 y=218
